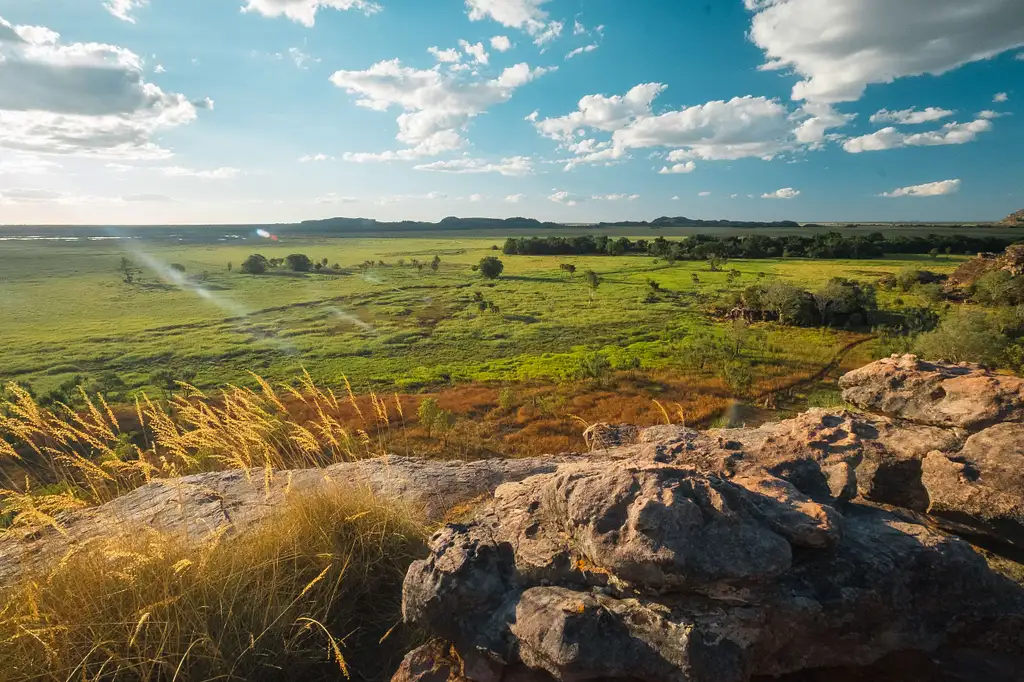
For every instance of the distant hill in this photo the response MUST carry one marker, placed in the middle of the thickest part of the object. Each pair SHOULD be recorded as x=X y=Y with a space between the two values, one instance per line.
x=451 y=223
x=683 y=221
x=1014 y=219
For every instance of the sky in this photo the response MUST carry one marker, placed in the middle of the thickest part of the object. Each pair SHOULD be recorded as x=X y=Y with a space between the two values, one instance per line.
x=263 y=111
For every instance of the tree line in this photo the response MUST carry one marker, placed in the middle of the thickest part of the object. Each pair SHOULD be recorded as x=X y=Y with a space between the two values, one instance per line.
x=703 y=247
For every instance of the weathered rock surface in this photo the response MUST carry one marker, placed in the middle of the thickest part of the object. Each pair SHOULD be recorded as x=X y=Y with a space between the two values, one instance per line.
x=963 y=396
x=633 y=570
x=196 y=506
x=778 y=552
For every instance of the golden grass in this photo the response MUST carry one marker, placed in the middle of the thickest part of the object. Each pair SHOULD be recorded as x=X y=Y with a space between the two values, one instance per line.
x=58 y=459
x=312 y=594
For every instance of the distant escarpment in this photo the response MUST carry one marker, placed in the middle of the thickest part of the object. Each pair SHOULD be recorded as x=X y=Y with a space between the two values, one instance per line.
x=1014 y=219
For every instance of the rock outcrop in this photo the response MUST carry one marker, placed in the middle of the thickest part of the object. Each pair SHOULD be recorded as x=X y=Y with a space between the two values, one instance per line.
x=813 y=548
x=195 y=507
x=1014 y=219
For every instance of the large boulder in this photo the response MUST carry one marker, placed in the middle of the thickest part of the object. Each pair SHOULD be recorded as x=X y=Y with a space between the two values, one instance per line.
x=963 y=396
x=635 y=570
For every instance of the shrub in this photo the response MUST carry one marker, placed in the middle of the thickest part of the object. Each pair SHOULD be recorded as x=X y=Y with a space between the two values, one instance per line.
x=428 y=413
x=298 y=262
x=177 y=267
x=311 y=594
x=491 y=267
x=594 y=366
x=255 y=264
x=968 y=336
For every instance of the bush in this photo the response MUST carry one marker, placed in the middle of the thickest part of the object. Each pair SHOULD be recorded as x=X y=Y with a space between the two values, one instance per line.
x=177 y=267
x=255 y=264
x=969 y=336
x=298 y=262
x=491 y=267
x=999 y=288
x=309 y=595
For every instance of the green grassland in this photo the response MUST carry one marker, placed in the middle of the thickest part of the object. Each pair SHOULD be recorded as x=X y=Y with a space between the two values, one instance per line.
x=65 y=311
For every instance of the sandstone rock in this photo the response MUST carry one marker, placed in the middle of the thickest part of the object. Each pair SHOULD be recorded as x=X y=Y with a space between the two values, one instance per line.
x=196 y=506
x=963 y=396
x=982 y=486
x=625 y=570
x=602 y=436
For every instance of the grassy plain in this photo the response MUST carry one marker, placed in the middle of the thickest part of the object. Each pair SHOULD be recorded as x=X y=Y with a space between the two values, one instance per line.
x=67 y=313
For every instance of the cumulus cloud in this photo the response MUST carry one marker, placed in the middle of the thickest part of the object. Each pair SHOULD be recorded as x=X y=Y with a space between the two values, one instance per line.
x=910 y=116
x=839 y=47
x=989 y=114
x=335 y=198
x=601 y=112
x=567 y=198
x=436 y=107
x=891 y=138
x=80 y=98
x=707 y=194
x=476 y=198
x=477 y=51
x=813 y=131
x=675 y=198
x=514 y=198
x=1000 y=97
x=616 y=197
x=687 y=167
x=315 y=157
x=159 y=69
x=784 y=193
x=122 y=9
x=515 y=165
x=501 y=43
x=930 y=189
x=26 y=164
x=525 y=15
x=304 y=11
x=224 y=173
x=581 y=50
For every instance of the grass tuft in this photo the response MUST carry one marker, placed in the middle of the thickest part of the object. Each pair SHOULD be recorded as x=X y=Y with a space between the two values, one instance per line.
x=312 y=594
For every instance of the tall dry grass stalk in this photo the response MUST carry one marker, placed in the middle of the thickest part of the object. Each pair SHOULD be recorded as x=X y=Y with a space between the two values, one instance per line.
x=56 y=459
x=312 y=594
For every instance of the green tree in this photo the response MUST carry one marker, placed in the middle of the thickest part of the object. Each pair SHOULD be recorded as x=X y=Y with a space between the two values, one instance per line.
x=256 y=264
x=429 y=414
x=231 y=266
x=593 y=366
x=491 y=267
x=177 y=267
x=436 y=263
x=128 y=270
x=968 y=336
x=298 y=262
x=782 y=299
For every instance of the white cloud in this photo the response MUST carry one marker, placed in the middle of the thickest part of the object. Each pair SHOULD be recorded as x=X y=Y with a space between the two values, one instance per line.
x=514 y=198
x=476 y=198
x=26 y=164
x=989 y=114
x=739 y=128
x=733 y=196
x=335 y=198
x=304 y=11
x=159 y=69
x=675 y=198
x=1000 y=97
x=1020 y=57
x=687 y=167
x=706 y=194
x=300 y=58
x=224 y=173
x=80 y=98
x=602 y=112
x=890 y=138
x=515 y=165
x=616 y=197
x=567 y=198
x=477 y=51
x=449 y=56
x=501 y=43
x=525 y=15
x=578 y=29
x=122 y=9
x=532 y=117
x=910 y=116
x=823 y=117
x=931 y=189
x=436 y=107
x=148 y=198
x=840 y=47
x=784 y=193
x=315 y=157
x=581 y=50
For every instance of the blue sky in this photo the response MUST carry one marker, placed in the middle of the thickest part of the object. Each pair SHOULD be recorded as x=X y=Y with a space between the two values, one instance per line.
x=203 y=111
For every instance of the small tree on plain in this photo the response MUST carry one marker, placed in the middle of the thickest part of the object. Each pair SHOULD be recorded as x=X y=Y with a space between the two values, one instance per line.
x=593 y=282
x=428 y=414
x=231 y=266
x=491 y=267
x=127 y=270
x=299 y=262
x=436 y=263
x=256 y=264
